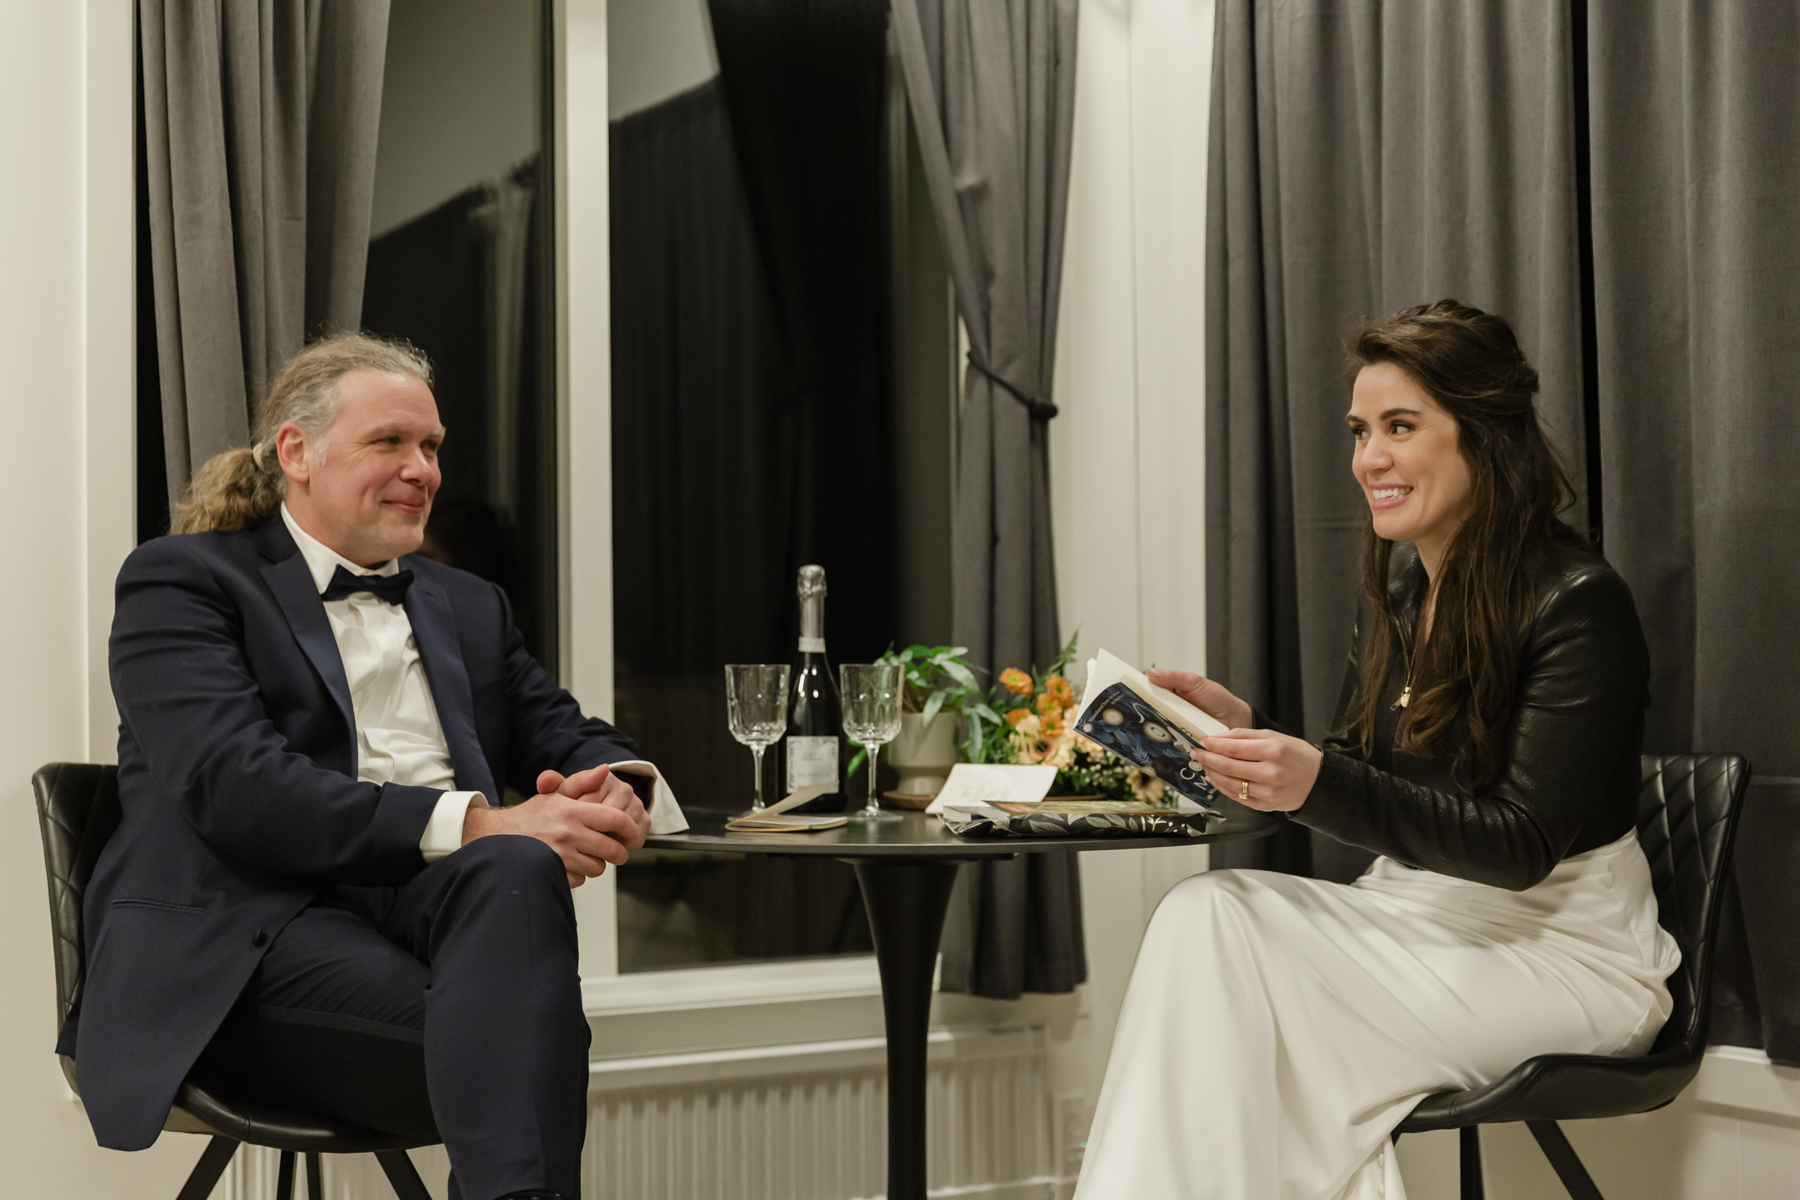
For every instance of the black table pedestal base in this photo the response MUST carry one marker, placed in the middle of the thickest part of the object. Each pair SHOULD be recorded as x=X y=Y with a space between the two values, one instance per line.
x=906 y=899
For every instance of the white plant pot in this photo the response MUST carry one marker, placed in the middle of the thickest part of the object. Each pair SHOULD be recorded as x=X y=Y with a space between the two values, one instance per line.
x=923 y=754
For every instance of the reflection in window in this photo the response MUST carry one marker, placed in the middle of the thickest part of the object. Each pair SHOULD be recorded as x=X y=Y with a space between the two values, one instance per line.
x=773 y=294
x=460 y=265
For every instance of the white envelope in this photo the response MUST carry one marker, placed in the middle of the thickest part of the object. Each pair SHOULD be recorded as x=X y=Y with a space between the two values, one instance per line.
x=994 y=783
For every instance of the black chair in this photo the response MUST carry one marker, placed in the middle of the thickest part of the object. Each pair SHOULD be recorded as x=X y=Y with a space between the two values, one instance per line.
x=1687 y=815
x=78 y=809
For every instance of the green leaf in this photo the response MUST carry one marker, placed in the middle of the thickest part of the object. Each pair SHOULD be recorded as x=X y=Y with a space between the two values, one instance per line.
x=974 y=746
x=978 y=709
x=856 y=763
x=1067 y=655
x=960 y=673
x=933 y=703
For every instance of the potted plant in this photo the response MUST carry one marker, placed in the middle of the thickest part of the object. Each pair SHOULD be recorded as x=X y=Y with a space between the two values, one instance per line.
x=939 y=688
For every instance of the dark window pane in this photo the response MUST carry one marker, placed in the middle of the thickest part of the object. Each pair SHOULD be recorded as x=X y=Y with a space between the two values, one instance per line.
x=460 y=266
x=755 y=251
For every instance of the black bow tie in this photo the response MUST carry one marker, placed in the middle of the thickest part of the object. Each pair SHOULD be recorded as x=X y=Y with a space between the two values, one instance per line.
x=391 y=588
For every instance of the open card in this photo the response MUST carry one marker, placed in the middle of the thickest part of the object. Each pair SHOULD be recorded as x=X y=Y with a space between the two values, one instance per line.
x=779 y=817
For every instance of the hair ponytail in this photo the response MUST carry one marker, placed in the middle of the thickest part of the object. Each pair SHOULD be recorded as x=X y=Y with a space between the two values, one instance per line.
x=229 y=491
x=245 y=486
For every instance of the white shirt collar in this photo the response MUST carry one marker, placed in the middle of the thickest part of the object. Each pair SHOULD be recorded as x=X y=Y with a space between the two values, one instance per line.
x=323 y=561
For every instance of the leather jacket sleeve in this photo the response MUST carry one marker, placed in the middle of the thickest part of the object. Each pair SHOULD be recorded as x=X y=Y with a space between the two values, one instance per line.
x=1582 y=688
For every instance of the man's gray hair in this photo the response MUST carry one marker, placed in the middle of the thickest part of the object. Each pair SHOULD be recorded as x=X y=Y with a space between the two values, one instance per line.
x=245 y=486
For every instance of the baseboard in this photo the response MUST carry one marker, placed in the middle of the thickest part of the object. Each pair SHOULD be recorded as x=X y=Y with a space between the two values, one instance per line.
x=1743 y=1083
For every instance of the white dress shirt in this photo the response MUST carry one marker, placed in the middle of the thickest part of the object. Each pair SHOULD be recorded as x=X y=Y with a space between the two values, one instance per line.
x=398 y=736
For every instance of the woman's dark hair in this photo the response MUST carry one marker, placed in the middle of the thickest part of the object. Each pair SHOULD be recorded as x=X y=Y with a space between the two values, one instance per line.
x=1469 y=362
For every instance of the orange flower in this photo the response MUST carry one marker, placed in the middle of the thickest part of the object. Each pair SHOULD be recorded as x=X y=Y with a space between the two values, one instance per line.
x=1048 y=704
x=1017 y=682
x=1014 y=716
x=1052 y=726
x=1059 y=687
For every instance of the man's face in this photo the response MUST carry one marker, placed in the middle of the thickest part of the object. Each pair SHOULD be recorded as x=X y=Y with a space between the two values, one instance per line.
x=365 y=486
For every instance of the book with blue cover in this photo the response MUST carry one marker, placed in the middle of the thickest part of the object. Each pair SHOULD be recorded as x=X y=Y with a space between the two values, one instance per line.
x=1149 y=727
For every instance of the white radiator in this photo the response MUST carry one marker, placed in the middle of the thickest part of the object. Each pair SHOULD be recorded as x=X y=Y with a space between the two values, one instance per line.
x=782 y=1123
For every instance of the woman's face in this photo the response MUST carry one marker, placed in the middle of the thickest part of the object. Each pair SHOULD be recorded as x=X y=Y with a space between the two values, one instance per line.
x=1408 y=461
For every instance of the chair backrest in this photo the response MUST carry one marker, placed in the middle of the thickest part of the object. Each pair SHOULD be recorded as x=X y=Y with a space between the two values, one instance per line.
x=78 y=809
x=1687 y=817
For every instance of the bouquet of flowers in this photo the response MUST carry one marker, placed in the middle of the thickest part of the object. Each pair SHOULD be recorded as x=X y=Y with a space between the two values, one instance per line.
x=1030 y=718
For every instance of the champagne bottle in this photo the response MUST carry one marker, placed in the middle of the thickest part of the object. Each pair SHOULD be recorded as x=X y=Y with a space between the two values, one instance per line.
x=810 y=752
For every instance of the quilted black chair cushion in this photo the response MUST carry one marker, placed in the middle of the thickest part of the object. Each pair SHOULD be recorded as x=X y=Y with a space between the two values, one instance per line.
x=1687 y=816
x=78 y=810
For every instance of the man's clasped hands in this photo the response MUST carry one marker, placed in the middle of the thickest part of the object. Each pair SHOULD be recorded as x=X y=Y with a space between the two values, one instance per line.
x=590 y=818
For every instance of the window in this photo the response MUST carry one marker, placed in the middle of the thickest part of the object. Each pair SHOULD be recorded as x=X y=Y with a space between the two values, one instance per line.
x=461 y=264
x=783 y=375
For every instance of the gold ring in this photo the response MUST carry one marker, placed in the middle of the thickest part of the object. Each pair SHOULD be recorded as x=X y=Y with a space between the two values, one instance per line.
x=1244 y=792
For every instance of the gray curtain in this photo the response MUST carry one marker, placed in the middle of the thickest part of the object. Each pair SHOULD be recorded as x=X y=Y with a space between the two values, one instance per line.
x=260 y=123
x=1363 y=157
x=1696 y=193
x=992 y=86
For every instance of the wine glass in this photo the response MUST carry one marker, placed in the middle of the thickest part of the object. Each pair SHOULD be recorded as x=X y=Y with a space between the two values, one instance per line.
x=870 y=694
x=756 y=708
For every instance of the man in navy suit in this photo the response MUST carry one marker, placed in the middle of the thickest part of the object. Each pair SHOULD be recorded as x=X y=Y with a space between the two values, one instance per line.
x=310 y=899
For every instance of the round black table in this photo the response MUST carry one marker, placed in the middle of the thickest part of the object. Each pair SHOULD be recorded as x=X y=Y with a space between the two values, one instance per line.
x=905 y=869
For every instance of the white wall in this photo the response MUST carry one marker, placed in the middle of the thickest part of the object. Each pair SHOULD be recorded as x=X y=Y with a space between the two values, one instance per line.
x=460 y=101
x=66 y=230
x=1126 y=451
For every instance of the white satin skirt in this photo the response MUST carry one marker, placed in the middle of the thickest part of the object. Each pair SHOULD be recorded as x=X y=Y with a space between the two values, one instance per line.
x=1277 y=1029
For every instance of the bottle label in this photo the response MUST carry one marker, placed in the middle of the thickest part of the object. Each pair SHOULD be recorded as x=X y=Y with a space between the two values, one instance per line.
x=811 y=760
x=812 y=645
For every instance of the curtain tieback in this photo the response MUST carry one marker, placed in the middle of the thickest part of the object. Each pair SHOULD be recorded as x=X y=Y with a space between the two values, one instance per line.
x=1043 y=410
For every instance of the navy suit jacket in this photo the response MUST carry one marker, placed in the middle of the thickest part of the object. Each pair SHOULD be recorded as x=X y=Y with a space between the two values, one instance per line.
x=237 y=781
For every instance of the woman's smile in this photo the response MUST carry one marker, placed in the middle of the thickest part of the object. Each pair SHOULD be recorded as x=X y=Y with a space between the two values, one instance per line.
x=1385 y=499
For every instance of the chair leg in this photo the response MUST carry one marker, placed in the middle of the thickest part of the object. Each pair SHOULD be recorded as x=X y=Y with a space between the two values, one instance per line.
x=284 y=1177
x=1563 y=1158
x=401 y=1175
x=315 y=1179
x=1469 y=1142
x=206 y=1172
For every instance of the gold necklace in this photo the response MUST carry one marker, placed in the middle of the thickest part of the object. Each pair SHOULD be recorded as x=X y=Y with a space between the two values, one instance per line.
x=1406 y=656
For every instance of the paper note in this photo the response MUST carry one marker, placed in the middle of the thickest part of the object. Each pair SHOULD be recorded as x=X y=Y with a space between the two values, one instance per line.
x=993 y=783
x=785 y=822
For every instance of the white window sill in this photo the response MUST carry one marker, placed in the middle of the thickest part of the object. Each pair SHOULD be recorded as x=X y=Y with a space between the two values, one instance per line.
x=732 y=986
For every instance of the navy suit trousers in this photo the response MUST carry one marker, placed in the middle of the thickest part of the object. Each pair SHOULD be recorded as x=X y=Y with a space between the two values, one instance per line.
x=450 y=1006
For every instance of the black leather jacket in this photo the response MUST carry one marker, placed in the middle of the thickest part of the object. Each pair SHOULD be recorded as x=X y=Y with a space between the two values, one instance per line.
x=1570 y=773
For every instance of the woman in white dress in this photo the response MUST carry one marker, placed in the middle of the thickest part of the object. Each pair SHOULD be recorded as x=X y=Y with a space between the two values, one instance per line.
x=1486 y=745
